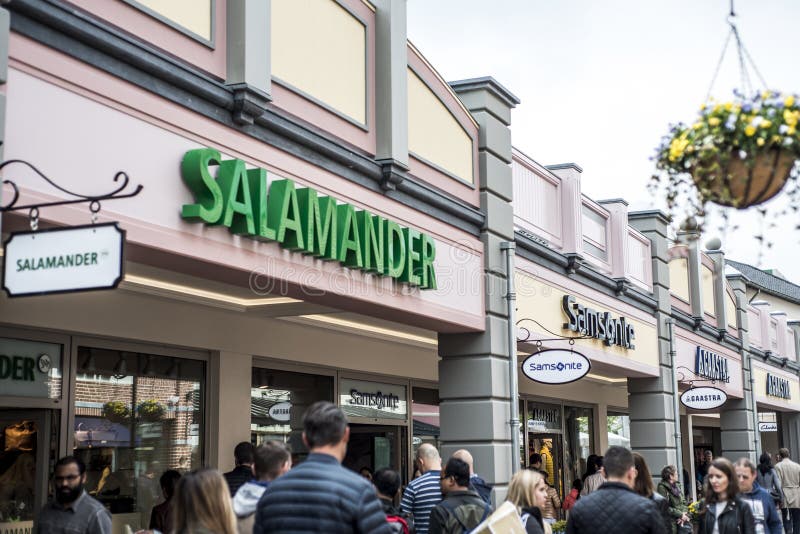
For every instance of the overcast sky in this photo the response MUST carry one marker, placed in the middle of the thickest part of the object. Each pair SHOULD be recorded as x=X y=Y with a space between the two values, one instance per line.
x=600 y=81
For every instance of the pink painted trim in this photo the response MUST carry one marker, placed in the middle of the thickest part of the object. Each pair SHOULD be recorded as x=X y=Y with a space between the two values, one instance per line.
x=319 y=117
x=680 y=304
x=523 y=160
x=694 y=339
x=154 y=32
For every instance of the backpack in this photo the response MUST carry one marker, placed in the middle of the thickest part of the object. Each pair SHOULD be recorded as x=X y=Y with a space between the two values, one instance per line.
x=398 y=524
x=451 y=509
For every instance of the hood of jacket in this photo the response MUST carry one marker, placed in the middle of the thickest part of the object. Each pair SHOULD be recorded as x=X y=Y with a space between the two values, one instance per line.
x=754 y=490
x=247 y=497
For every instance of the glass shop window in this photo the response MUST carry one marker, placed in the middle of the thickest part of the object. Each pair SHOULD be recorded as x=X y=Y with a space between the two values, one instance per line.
x=619 y=429
x=425 y=415
x=578 y=441
x=278 y=400
x=136 y=416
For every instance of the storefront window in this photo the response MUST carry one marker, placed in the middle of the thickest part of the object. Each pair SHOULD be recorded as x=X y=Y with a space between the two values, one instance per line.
x=545 y=439
x=278 y=400
x=619 y=429
x=578 y=440
x=425 y=414
x=136 y=415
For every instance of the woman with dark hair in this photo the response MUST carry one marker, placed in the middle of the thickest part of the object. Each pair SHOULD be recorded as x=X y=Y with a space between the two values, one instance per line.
x=723 y=512
x=591 y=467
x=643 y=485
x=768 y=479
x=670 y=489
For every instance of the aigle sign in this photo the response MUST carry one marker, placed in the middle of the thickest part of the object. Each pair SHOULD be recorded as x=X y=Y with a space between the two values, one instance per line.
x=300 y=219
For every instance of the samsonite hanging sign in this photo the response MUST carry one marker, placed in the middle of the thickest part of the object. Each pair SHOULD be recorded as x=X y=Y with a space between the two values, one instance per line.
x=556 y=366
x=703 y=398
x=63 y=260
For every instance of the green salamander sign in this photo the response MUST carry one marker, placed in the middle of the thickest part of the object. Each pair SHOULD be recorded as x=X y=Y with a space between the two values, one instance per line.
x=300 y=219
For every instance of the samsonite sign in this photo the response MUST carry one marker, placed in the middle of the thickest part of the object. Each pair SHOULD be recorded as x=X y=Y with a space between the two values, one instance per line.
x=556 y=366
x=62 y=260
x=703 y=398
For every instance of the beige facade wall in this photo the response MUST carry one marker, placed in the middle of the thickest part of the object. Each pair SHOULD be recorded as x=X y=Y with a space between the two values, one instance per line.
x=679 y=278
x=194 y=15
x=707 y=289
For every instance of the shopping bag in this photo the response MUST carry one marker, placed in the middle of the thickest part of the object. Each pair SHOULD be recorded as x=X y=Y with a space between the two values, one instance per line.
x=504 y=520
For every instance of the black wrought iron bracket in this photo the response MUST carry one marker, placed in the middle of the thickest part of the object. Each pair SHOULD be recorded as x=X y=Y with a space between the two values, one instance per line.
x=94 y=200
x=556 y=337
x=682 y=377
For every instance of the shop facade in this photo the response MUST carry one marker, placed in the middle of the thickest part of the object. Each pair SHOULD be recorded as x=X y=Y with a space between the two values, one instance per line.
x=293 y=242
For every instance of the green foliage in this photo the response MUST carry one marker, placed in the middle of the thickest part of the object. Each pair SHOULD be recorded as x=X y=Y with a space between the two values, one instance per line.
x=150 y=410
x=116 y=412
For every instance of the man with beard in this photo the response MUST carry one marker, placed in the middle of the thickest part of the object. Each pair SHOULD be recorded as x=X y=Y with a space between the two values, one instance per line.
x=73 y=510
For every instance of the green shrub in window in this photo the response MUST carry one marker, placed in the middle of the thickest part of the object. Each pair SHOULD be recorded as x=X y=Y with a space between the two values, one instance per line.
x=150 y=411
x=116 y=412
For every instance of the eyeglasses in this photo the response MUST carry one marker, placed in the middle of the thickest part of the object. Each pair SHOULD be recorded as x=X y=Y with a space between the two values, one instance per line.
x=68 y=478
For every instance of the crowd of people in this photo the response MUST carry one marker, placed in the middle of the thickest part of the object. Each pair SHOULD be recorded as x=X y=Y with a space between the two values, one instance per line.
x=264 y=493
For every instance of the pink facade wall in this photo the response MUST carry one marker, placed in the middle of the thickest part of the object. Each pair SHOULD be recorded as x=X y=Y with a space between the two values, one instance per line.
x=62 y=117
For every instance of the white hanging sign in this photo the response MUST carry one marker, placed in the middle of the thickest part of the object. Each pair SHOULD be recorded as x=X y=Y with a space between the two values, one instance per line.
x=63 y=260
x=767 y=427
x=556 y=366
x=703 y=398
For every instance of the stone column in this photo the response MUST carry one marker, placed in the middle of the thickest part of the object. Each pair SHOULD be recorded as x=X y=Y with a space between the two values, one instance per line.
x=5 y=21
x=473 y=370
x=391 y=91
x=790 y=433
x=794 y=326
x=650 y=400
x=229 y=411
x=718 y=257
x=248 y=58
x=737 y=417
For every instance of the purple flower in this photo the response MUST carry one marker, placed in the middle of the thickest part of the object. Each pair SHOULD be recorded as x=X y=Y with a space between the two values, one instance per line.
x=747 y=107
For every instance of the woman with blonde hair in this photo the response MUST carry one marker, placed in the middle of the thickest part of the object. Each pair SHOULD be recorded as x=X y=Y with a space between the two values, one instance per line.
x=203 y=504
x=528 y=492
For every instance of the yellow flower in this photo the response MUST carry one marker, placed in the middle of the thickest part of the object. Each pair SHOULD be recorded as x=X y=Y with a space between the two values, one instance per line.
x=760 y=141
x=749 y=131
x=677 y=147
x=789 y=102
x=717 y=107
x=697 y=125
x=791 y=130
x=790 y=117
x=776 y=139
x=714 y=121
x=728 y=106
x=765 y=95
x=766 y=123
x=702 y=107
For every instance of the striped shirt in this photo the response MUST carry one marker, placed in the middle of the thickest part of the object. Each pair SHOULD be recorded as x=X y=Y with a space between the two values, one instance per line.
x=420 y=497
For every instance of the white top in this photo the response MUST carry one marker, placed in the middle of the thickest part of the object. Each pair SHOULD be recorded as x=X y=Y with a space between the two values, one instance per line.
x=718 y=508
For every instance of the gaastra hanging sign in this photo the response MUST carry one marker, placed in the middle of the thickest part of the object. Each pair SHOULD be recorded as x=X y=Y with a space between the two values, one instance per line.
x=703 y=398
x=599 y=325
x=778 y=387
x=711 y=365
x=300 y=219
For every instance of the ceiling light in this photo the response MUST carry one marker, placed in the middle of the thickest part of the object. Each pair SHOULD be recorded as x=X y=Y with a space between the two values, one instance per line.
x=364 y=328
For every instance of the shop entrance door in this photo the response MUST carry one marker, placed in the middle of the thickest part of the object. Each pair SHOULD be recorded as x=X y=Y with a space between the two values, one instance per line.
x=376 y=447
x=24 y=453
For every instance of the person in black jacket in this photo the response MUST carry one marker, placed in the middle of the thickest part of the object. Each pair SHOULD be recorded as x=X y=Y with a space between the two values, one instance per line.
x=476 y=483
x=643 y=485
x=387 y=484
x=722 y=506
x=243 y=472
x=615 y=505
x=319 y=495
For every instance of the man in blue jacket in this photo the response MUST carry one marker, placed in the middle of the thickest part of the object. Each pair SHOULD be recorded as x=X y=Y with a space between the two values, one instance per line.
x=319 y=495
x=759 y=500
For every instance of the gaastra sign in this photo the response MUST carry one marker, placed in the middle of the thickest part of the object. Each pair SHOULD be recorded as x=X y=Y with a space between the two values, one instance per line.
x=778 y=387
x=711 y=365
x=301 y=220
x=703 y=398
x=599 y=325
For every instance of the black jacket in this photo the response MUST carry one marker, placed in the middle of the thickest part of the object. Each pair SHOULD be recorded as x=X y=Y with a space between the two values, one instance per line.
x=736 y=518
x=534 y=524
x=238 y=477
x=460 y=511
x=393 y=511
x=663 y=508
x=614 y=504
x=479 y=486
x=319 y=495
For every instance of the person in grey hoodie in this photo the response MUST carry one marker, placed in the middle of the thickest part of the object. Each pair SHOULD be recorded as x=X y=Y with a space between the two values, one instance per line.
x=272 y=459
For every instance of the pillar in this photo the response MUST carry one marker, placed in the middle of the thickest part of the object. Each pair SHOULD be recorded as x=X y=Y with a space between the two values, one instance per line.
x=790 y=433
x=650 y=400
x=738 y=427
x=5 y=20
x=391 y=91
x=230 y=377
x=473 y=369
x=249 y=74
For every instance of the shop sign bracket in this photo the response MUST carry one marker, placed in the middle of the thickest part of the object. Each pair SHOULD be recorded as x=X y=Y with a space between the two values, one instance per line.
x=527 y=334
x=692 y=382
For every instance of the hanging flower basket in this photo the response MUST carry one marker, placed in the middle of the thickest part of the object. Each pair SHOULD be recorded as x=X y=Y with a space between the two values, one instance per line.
x=116 y=412
x=150 y=411
x=737 y=154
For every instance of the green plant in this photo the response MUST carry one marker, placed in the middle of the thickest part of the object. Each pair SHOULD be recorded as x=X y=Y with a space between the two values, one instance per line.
x=116 y=412
x=736 y=154
x=559 y=526
x=150 y=410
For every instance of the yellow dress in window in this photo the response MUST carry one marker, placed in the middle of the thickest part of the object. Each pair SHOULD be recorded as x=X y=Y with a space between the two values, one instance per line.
x=547 y=464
